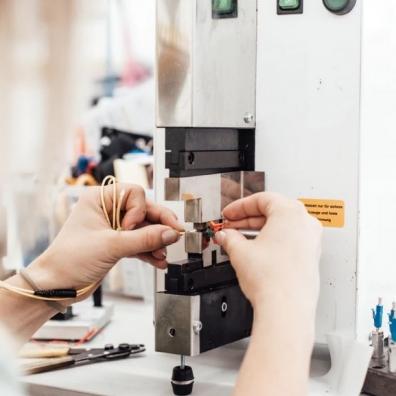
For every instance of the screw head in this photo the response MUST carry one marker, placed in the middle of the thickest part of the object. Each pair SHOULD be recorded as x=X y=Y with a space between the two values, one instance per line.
x=248 y=118
x=197 y=326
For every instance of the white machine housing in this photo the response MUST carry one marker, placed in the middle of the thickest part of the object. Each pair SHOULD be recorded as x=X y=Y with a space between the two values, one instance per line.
x=320 y=89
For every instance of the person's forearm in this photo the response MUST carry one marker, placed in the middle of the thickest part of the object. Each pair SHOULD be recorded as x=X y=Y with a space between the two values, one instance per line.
x=22 y=316
x=277 y=360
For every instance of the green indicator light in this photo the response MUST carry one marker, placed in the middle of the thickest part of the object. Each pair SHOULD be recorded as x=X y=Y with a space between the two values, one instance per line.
x=223 y=6
x=289 y=4
x=336 y=5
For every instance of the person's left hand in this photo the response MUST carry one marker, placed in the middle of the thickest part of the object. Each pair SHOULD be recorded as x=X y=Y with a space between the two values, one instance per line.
x=87 y=247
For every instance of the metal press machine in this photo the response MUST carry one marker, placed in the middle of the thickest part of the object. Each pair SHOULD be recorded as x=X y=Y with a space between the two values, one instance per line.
x=245 y=87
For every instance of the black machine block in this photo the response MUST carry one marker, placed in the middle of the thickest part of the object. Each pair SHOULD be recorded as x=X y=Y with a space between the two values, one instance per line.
x=226 y=317
x=225 y=313
x=203 y=151
x=192 y=277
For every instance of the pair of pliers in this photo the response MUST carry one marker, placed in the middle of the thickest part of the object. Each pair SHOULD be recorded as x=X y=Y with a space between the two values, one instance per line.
x=67 y=357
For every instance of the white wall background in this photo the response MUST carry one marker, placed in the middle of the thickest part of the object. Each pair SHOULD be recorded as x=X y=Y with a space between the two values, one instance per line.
x=377 y=265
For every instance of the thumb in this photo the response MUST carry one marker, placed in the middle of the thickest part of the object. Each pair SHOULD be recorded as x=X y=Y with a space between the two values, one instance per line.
x=145 y=239
x=230 y=240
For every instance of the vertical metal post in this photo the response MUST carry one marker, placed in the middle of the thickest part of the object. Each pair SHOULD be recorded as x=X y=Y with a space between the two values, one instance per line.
x=182 y=361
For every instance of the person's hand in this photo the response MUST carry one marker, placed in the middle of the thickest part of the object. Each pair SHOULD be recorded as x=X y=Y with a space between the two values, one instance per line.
x=278 y=272
x=87 y=247
x=284 y=257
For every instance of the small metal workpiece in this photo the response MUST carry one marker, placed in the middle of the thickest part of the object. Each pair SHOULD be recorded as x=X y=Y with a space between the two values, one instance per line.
x=194 y=242
x=193 y=210
x=377 y=339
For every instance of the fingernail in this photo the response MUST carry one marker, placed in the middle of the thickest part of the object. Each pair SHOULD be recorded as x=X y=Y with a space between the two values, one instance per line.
x=131 y=227
x=163 y=253
x=220 y=237
x=169 y=236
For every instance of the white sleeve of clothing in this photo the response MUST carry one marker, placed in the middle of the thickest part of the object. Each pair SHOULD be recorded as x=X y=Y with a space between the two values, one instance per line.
x=10 y=383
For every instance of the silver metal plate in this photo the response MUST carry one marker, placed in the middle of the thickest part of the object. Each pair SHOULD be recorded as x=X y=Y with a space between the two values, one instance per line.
x=174 y=62
x=206 y=68
x=205 y=197
x=193 y=210
x=194 y=242
x=175 y=316
x=215 y=192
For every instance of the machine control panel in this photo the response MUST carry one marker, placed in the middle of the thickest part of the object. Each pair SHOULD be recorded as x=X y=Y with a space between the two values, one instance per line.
x=339 y=7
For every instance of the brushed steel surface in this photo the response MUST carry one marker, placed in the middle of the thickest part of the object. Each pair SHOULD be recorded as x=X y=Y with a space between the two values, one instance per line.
x=174 y=42
x=206 y=68
x=224 y=70
x=180 y=313
x=172 y=188
x=207 y=188
x=215 y=192
x=377 y=339
x=193 y=210
x=193 y=242
x=207 y=197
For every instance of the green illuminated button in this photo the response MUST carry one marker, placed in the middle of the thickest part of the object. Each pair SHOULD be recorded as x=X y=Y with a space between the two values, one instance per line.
x=224 y=6
x=289 y=4
x=336 y=5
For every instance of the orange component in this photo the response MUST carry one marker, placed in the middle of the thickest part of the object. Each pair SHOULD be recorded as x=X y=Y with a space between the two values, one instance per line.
x=215 y=227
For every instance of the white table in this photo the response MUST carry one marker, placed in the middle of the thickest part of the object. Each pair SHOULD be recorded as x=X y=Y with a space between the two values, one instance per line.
x=147 y=374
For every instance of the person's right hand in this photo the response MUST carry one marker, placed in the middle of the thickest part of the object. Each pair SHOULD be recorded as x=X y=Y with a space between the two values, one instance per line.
x=283 y=259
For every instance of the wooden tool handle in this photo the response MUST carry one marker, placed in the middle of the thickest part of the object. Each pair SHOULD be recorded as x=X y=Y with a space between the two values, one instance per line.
x=36 y=353
x=42 y=365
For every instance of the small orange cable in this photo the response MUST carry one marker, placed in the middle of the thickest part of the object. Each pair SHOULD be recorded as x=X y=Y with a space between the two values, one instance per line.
x=215 y=227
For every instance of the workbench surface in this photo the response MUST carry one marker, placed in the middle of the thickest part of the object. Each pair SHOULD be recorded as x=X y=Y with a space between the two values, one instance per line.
x=145 y=375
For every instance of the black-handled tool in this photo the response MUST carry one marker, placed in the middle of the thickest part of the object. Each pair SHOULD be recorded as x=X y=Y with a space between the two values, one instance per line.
x=79 y=356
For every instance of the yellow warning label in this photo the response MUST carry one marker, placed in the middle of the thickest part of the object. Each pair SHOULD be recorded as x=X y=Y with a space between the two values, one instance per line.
x=329 y=212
